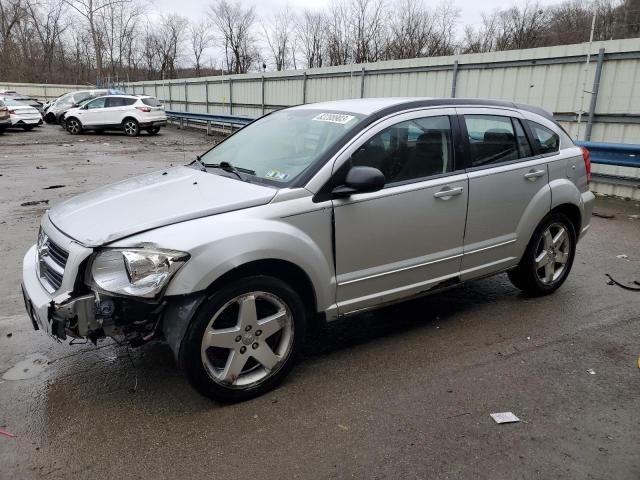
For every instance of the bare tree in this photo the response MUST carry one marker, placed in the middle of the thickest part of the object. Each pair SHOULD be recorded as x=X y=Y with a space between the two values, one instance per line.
x=311 y=35
x=89 y=10
x=367 y=25
x=338 y=44
x=200 y=38
x=48 y=25
x=278 y=34
x=234 y=25
x=168 y=41
x=11 y=13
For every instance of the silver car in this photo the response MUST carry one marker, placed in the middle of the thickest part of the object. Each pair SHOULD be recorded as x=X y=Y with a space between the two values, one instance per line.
x=310 y=214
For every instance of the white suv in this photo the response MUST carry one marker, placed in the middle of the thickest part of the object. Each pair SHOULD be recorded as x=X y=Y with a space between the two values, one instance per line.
x=130 y=113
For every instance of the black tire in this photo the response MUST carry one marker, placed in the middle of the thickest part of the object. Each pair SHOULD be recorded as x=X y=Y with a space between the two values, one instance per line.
x=28 y=128
x=191 y=357
x=131 y=127
x=73 y=126
x=50 y=118
x=526 y=276
x=153 y=130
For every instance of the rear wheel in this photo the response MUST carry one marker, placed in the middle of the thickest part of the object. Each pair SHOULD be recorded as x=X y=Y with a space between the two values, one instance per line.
x=153 y=130
x=73 y=126
x=244 y=339
x=548 y=258
x=131 y=127
x=28 y=128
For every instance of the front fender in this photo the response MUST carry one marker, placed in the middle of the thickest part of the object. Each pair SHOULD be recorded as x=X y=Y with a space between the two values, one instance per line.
x=219 y=244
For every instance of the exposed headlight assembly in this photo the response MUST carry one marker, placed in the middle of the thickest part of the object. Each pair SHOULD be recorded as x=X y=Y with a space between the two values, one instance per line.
x=139 y=272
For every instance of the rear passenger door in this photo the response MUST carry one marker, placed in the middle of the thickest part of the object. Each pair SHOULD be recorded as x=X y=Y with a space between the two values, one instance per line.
x=116 y=109
x=508 y=189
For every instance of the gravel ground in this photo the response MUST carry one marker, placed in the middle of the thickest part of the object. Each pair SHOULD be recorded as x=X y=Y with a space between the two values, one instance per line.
x=404 y=392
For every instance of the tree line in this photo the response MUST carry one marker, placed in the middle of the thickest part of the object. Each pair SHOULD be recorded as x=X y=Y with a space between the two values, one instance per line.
x=107 y=41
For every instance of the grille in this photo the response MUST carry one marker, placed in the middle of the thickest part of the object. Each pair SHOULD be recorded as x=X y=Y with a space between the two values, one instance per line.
x=52 y=260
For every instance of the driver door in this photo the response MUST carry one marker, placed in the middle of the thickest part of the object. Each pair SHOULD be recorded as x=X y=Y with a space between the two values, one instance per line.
x=407 y=237
x=92 y=114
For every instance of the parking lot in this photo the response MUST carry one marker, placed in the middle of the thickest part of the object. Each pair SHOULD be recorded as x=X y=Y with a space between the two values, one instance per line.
x=404 y=392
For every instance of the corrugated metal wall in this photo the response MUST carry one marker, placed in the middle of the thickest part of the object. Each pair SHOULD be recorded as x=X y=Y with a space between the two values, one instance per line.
x=551 y=77
x=42 y=91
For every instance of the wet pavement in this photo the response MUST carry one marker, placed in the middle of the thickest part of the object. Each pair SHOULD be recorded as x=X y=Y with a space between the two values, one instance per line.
x=405 y=392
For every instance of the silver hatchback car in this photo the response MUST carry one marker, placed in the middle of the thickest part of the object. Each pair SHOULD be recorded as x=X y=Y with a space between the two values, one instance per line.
x=309 y=214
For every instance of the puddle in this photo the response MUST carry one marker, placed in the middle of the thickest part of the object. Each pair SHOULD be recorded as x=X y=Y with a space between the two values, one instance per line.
x=30 y=367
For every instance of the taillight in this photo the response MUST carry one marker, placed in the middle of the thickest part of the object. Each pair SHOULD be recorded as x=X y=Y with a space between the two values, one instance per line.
x=12 y=112
x=587 y=162
x=144 y=109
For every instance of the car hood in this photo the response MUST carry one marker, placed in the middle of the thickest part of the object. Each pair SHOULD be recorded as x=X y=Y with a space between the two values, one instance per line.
x=153 y=200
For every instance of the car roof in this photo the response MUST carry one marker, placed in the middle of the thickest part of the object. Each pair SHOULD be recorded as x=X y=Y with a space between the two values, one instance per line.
x=370 y=106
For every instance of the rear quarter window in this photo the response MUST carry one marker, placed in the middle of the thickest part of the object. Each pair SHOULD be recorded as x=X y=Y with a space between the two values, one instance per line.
x=546 y=140
x=151 y=102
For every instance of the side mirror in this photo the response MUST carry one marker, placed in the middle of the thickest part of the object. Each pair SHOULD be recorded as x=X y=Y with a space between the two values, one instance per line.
x=360 y=180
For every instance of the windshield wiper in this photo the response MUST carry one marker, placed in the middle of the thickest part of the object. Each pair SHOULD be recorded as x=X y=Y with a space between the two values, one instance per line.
x=199 y=161
x=227 y=167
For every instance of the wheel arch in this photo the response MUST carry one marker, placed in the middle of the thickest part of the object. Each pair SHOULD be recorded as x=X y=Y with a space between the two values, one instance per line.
x=130 y=117
x=573 y=213
x=284 y=270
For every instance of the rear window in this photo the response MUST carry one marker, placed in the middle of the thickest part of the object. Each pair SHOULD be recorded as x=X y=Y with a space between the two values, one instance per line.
x=151 y=102
x=545 y=139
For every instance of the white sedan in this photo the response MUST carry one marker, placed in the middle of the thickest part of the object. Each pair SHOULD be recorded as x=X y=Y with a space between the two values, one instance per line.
x=22 y=115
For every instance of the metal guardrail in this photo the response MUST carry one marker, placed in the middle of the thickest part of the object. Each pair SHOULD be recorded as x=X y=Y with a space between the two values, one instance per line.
x=618 y=154
x=209 y=119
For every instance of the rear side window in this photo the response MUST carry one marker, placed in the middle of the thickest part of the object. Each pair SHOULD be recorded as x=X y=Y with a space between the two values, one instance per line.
x=151 y=102
x=120 y=101
x=491 y=139
x=409 y=150
x=546 y=139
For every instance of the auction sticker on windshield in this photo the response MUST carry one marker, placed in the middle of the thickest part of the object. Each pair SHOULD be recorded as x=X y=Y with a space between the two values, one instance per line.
x=340 y=118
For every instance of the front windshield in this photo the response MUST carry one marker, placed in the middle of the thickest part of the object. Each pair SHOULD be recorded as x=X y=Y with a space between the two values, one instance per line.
x=65 y=100
x=279 y=147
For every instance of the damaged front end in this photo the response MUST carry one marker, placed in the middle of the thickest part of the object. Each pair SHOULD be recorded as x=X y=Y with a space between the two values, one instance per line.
x=94 y=316
x=74 y=291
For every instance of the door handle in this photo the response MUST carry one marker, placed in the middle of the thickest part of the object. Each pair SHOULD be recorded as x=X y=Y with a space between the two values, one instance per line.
x=534 y=174
x=448 y=192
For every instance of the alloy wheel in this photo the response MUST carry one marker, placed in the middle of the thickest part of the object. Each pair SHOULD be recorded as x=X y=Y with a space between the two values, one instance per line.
x=130 y=128
x=552 y=253
x=73 y=126
x=247 y=340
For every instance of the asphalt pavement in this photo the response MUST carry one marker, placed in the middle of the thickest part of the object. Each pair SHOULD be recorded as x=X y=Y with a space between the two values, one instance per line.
x=404 y=392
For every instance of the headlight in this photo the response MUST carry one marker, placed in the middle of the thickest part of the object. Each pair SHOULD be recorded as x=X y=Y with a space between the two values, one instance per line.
x=140 y=272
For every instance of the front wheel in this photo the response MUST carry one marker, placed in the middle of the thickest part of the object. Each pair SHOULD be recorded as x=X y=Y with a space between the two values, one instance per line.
x=131 y=128
x=547 y=261
x=73 y=126
x=244 y=339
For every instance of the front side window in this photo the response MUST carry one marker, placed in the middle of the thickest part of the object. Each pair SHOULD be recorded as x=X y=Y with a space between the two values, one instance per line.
x=409 y=150
x=546 y=139
x=491 y=139
x=97 y=103
x=278 y=147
